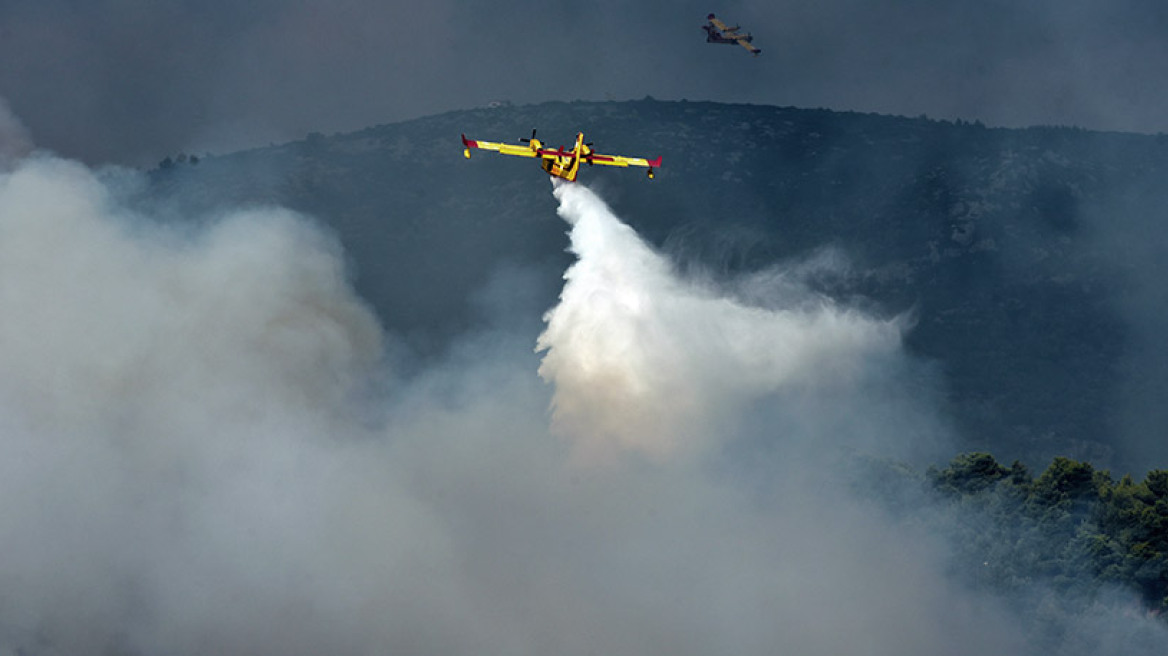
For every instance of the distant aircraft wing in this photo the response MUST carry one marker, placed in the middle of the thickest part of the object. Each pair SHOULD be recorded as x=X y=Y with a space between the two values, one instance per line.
x=720 y=25
x=505 y=149
x=617 y=160
x=748 y=45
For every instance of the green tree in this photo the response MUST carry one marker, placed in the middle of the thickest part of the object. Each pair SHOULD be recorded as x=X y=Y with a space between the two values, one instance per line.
x=1068 y=480
x=969 y=473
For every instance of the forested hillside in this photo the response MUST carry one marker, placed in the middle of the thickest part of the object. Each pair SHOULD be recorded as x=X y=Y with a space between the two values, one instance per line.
x=1027 y=258
x=1055 y=543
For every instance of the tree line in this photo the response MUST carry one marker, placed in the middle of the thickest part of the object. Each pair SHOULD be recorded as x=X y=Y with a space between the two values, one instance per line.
x=1072 y=527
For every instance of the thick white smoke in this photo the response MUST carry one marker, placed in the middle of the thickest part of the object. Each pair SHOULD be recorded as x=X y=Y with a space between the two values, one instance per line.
x=188 y=463
x=643 y=360
x=159 y=396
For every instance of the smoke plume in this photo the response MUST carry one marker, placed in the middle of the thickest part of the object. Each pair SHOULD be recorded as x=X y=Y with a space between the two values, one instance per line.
x=643 y=361
x=15 y=141
x=205 y=449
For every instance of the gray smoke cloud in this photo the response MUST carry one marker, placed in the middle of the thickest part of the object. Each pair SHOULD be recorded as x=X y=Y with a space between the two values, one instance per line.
x=15 y=141
x=205 y=449
x=159 y=395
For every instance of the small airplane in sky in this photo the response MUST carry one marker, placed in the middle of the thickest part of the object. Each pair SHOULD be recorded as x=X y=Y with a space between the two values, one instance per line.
x=560 y=163
x=719 y=32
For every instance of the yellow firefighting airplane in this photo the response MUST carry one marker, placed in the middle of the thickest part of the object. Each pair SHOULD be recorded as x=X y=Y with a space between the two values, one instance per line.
x=718 y=32
x=559 y=162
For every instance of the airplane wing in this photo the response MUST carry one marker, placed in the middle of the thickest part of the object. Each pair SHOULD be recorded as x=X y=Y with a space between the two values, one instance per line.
x=617 y=160
x=502 y=148
x=746 y=44
x=721 y=26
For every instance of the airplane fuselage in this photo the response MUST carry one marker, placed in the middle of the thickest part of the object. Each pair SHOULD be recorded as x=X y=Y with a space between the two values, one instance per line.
x=567 y=163
x=714 y=36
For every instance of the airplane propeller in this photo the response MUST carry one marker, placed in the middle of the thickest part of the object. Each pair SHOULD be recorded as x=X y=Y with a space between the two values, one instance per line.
x=528 y=140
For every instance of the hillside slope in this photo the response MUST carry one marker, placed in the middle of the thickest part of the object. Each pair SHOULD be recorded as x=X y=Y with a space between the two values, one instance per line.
x=1028 y=257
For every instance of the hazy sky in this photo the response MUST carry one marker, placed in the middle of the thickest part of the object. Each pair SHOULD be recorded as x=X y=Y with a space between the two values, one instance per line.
x=131 y=81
